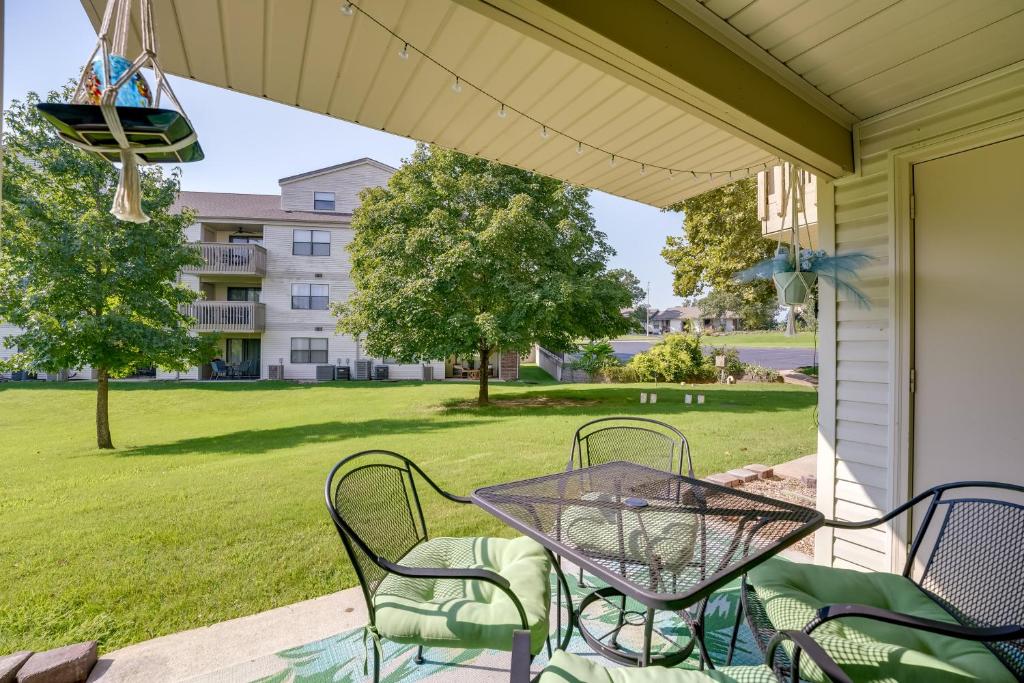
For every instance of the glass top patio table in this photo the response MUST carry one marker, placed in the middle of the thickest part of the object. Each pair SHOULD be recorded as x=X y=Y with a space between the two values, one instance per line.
x=665 y=540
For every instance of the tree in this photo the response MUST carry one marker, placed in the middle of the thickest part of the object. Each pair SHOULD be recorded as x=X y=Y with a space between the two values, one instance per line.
x=458 y=255
x=630 y=281
x=756 y=315
x=722 y=236
x=85 y=288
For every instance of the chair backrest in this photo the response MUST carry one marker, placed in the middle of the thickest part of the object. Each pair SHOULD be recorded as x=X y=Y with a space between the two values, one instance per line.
x=217 y=365
x=372 y=500
x=640 y=440
x=970 y=551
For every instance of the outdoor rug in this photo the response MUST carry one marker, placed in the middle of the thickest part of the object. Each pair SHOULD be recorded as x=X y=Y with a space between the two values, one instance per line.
x=342 y=658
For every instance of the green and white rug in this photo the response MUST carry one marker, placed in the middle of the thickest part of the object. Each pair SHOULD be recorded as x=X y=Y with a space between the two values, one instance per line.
x=342 y=658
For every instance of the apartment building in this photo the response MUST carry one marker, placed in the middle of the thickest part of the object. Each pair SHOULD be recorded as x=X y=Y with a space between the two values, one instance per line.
x=272 y=267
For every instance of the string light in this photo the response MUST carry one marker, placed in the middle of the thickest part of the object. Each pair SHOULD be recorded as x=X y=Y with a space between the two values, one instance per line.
x=350 y=8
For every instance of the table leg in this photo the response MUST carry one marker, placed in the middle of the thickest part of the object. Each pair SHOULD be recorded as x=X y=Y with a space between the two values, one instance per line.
x=645 y=657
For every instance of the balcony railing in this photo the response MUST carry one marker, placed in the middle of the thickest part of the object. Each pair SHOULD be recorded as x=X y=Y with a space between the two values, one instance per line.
x=220 y=258
x=228 y=316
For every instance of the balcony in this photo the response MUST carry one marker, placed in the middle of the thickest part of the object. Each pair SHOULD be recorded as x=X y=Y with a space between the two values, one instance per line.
x=228 y=316
x=221 y=258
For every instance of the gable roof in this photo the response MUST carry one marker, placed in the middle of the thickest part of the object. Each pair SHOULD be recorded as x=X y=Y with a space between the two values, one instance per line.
x=338 y=167
x=687 y=313
x=228 y=206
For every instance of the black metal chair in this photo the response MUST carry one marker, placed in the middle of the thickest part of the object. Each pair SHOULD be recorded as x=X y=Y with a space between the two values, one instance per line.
x=641 y=440
x=967 y=556
x=373 y=501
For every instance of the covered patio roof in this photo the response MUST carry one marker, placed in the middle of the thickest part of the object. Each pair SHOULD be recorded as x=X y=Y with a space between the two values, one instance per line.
x=711 y=90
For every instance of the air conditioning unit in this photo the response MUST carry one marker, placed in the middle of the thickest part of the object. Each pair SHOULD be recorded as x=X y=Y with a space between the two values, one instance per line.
x=380 y=372
x=324 y=373
x=428 y=373
x=363 y=369
x=275 y=371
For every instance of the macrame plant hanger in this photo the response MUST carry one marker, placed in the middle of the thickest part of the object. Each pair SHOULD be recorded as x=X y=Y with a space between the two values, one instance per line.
x=133 y=146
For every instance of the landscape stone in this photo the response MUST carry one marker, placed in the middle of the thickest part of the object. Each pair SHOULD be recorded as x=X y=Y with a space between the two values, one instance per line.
x=10 y=664
x=724 y=480
x=744 y=474
x=763 y=471
x=69 y=664
x=809 y=480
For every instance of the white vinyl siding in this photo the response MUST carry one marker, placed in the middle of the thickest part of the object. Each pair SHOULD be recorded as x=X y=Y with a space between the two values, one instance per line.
x=864 y=426
x=344 y=183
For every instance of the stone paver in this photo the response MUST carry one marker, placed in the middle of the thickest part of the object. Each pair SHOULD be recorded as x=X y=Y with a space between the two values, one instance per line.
x=763 y=471
x=744 y=474
x=68 y=664
x=724 y=480
x=806 y=466
x=10 y=664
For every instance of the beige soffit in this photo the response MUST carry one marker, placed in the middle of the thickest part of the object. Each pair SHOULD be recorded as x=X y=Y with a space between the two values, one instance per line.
x=871 y=56
x=306 y=53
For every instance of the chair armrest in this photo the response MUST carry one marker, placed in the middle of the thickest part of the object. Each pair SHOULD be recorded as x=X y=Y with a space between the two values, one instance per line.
x=817 y=654
x=990 y=634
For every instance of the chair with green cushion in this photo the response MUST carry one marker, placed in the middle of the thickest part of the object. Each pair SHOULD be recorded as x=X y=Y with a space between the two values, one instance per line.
x=569 y=668
x=955 y=614
x=467 y=593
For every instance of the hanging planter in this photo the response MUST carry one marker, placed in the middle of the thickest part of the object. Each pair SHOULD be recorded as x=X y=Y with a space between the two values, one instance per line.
x=115 y=113
x=794 y=287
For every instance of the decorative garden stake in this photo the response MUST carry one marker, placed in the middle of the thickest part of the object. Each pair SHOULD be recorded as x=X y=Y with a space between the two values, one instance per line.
x=796 y=270
x=115 y=114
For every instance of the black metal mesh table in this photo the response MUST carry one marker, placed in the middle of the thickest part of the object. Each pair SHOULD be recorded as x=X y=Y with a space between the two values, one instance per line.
x=665 y=540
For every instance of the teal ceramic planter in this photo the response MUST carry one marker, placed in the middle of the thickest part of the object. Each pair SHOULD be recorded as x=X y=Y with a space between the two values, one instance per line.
x=793 y=287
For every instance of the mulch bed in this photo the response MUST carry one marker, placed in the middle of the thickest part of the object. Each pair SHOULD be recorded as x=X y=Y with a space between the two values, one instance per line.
x=791 y=491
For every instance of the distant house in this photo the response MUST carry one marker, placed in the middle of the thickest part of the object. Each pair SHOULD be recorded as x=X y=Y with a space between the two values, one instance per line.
x=690 y=319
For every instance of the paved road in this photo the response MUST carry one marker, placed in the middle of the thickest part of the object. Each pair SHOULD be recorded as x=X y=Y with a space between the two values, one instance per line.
x=779 y=359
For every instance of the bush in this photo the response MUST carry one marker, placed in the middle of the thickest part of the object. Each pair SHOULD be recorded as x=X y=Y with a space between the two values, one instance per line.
x=733 y=365
x=625 y=374
x=759 y=373
x=595 y=357
x=676 y=358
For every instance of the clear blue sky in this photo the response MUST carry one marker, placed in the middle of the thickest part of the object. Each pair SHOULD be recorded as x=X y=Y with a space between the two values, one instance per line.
x=46 y=41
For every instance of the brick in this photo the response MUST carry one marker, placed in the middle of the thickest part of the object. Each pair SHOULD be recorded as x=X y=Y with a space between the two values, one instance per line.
x=10 y=664
x=69 y=664
x=724 y=480
x=763 y=471
x=744 y=474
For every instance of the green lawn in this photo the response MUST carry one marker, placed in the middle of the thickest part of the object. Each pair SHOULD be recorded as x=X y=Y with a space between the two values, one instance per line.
x=751 y=339
x=212 y=506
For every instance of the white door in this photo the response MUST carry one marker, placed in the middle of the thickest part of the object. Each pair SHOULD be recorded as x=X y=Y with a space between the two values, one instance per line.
x=969 y=316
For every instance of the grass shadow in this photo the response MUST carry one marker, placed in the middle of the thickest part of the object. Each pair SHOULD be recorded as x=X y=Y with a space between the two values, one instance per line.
x=259 y=441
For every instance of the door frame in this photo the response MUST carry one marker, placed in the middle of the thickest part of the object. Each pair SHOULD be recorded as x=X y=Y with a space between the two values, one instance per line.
x=902 y=313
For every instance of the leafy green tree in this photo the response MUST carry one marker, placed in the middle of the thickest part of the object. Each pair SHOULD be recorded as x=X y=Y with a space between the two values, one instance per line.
x=631 y=282
x=85 y=288
x=458 y=255
x=755 y=314
x=722 y=236
x=596 y=356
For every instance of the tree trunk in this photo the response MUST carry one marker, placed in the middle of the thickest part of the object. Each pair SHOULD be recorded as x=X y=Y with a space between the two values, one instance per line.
x=102 y=415
x=482 y=399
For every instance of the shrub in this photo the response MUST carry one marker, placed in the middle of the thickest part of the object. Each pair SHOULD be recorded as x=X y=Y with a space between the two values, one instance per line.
x=759 y=373
x=595 y=357
x=676 y=358
x=625 y=374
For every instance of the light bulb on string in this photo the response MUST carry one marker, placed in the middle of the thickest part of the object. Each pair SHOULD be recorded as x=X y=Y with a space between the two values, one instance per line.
x=611 y=161
x=404 y=52
x=457 y=85
x=544 y=132
x=348 y=9
x=579 y=148
x=501 y=112
x=643 y=169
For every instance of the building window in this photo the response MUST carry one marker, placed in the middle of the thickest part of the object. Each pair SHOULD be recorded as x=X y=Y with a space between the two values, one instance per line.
x=309 y=297
x=323 y=201
x=309 y=349
x=244 y=294
x=311 y=243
